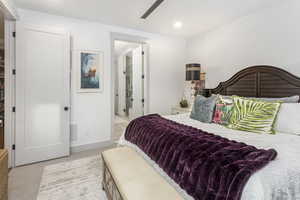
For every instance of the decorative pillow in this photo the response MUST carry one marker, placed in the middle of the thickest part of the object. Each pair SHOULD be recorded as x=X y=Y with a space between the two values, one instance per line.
x=223 y=110
x=203 y=108
x=288 y=119
x=253 y=115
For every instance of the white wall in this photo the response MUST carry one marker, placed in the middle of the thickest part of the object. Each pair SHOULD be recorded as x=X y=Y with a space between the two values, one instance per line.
x=92 y=112
x=269 y=36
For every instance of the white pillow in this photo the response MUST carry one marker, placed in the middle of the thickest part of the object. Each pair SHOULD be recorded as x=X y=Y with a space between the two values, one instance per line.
x=288 y=119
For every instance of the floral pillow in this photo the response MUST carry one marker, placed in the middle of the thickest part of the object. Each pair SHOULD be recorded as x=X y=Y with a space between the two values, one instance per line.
x=223 y=110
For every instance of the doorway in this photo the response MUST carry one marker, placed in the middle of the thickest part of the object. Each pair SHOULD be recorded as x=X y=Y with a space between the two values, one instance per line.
x=129 y=82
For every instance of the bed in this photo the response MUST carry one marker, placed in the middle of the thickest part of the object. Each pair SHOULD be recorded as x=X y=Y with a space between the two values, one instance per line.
x=280 y=179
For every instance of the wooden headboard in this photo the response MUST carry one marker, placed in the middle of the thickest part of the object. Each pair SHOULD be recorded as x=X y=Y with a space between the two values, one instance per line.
x=260 y=81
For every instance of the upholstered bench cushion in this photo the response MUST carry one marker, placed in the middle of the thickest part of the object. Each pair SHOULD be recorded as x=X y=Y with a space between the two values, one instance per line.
x=135 y=178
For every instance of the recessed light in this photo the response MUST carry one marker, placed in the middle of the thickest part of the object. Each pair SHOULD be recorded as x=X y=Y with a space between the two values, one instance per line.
x=177 y=24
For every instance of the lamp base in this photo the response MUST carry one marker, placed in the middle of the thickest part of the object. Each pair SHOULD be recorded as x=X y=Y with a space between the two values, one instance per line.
x=189 y=92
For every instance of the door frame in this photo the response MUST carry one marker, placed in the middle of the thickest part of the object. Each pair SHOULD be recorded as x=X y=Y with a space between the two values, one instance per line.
x=135 y=39
x=10 y=16
x=10 y=90
x=9 y=10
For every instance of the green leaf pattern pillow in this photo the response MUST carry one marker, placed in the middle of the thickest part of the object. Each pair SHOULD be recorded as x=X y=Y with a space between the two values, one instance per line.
x=253 y=115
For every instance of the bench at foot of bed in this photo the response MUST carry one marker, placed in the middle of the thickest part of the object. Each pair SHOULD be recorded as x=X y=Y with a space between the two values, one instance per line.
x=127 y=176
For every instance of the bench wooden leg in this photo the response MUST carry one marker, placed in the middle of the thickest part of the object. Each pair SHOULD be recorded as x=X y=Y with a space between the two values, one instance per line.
x=109 y=186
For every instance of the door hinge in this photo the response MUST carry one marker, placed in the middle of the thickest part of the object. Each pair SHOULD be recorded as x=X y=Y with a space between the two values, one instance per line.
x=143 y=52
x=14 y=109
x=14 y=71
x=13 y=147
x=143 y=100
x=143 y=76
x=14 y=34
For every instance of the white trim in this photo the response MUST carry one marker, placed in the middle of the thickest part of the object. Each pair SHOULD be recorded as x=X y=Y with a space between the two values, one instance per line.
x=147 y=78
x=44 y=28
x=9 y=9
x=91 y=146
x=9 y=127
x=128 y=38
x=135 y=39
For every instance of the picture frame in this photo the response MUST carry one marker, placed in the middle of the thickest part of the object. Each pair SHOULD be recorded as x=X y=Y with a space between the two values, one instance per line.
x=89 y=69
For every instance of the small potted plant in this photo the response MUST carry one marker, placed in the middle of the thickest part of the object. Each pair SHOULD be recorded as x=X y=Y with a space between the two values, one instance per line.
x=184 y=103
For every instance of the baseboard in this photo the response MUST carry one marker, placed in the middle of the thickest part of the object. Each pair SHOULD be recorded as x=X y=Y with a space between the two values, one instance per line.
x=91 y=146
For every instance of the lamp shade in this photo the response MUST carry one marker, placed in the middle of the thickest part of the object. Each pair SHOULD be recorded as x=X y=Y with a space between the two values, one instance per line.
x=193 y=72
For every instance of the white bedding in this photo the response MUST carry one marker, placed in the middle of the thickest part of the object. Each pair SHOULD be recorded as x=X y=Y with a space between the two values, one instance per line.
x=279 y=180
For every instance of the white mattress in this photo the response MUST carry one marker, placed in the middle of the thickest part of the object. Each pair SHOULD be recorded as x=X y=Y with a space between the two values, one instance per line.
x=279 y=180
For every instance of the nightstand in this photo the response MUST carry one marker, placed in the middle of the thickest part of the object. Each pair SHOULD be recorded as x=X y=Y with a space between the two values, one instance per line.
x=178 y=110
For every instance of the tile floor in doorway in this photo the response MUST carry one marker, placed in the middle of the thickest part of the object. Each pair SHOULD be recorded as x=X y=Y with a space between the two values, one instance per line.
x=120 y=125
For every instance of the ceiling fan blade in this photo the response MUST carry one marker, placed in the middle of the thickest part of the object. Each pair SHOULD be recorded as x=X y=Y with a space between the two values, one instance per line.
x=152 y=8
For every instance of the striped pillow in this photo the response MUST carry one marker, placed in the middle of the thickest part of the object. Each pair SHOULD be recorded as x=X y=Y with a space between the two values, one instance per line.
x=253 y=115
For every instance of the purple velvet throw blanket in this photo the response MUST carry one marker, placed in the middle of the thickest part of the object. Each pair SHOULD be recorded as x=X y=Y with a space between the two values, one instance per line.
x=206 y=166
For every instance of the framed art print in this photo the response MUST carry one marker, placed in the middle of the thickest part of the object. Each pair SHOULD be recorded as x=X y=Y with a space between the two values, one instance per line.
x=90 y=71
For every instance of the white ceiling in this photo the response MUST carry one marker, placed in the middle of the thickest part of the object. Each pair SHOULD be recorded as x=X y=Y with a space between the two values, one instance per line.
x=197 y=16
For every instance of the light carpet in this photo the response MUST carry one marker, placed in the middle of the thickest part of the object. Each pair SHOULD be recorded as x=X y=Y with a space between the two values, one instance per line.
x=73 y=180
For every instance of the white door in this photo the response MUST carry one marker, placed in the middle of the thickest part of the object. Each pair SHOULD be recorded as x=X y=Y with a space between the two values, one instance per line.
x=121 y=85
x=42 y=94
x=137 y=83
